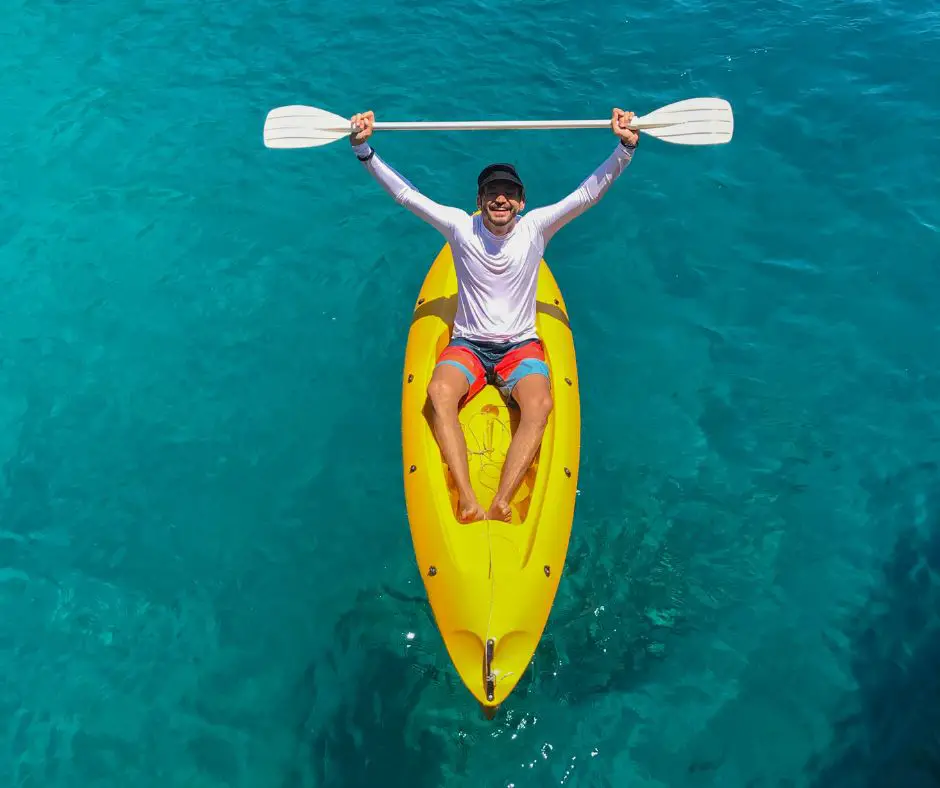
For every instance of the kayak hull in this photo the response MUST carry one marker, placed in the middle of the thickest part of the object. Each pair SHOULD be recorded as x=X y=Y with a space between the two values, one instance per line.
x=491 y=585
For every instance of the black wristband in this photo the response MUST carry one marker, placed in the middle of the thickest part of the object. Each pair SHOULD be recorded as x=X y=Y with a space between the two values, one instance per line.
x=628 y=147
x=366 y=158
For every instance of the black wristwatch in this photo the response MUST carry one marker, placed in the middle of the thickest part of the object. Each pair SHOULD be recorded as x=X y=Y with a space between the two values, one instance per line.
x=628 y=147
x=366 y=158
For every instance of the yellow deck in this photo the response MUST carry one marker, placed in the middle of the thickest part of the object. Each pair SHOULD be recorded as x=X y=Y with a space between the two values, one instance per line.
x=489 y=583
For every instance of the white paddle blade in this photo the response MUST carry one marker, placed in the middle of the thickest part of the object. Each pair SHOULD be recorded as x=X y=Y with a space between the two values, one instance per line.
x=300 y=126
x=697 y=121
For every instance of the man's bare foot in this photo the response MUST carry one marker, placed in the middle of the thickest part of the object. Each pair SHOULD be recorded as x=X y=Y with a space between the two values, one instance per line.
x=499 y=511
x=469 y=512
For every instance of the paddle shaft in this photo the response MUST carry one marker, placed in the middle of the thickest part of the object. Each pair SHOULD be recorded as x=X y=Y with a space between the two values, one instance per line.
x=498 y=125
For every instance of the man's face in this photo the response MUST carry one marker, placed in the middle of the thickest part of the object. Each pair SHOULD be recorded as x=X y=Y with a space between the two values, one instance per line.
x=500 y=202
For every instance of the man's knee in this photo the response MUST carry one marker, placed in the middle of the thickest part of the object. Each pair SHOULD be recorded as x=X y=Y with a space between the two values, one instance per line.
x=444 y=395
x=539 y=407
x=534 y=397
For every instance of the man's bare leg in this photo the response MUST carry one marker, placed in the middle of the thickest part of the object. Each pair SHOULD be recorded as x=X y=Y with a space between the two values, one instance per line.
x=448 y=384
x=534 y=397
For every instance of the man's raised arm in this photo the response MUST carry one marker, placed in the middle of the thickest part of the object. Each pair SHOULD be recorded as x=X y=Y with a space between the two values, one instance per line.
x=551 y=218
x=441 y=217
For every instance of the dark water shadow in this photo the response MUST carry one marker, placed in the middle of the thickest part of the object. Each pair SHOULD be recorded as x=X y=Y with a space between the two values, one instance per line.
x=357 y=701
x=892 y=735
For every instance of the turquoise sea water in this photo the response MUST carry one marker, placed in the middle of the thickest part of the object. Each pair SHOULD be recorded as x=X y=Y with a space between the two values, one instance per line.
x=206 y=575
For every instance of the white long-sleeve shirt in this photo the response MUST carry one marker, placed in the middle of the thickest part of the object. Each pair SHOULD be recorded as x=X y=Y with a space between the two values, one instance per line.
x=497 y=276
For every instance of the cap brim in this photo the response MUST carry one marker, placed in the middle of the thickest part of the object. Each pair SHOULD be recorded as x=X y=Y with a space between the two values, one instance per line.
x=501 y=175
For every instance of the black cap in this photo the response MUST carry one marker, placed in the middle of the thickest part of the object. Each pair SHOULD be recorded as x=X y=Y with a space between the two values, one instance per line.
x=498 y=172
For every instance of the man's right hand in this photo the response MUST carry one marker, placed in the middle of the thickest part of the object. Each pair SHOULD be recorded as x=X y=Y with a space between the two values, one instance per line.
x=363 y=122
x=620 y=123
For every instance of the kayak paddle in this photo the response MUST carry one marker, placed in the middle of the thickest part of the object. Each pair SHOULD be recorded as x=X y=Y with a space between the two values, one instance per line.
x=697 y=121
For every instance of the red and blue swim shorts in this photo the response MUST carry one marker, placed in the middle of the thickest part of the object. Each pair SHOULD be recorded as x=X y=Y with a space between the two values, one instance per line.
x=503 y=364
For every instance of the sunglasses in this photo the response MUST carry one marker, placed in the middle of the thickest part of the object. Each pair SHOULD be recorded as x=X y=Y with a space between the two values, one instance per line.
x=511 y=191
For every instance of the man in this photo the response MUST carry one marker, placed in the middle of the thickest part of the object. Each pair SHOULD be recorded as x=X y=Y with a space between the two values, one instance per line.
x=496 y=256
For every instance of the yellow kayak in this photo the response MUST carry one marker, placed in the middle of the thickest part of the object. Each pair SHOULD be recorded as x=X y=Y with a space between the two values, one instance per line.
x=490 y=584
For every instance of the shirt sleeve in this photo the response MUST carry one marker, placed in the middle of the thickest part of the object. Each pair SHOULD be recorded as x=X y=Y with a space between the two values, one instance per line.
x=551 y=218
x=442 y=217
